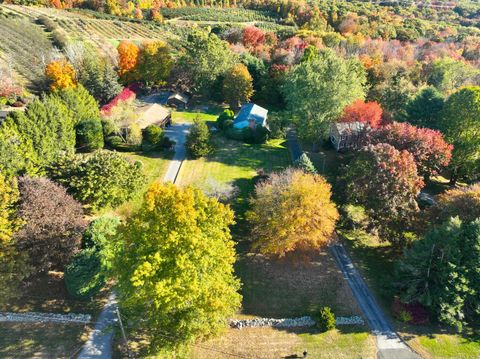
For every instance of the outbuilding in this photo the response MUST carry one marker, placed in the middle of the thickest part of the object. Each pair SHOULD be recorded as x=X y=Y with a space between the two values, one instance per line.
x=178 y=100
x=345 y=135
x=250 y=115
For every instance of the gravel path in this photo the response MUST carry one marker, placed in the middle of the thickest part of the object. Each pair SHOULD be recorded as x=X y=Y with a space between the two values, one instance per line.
x=99 y=343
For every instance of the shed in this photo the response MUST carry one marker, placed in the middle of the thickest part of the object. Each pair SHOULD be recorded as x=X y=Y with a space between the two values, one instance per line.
x=154 y=114
x=251 y=115
x=178 y=100
x=347 y=134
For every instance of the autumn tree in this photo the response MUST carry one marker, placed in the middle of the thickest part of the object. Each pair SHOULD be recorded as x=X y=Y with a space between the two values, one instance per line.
x=206 y=58
x=61 y=75
x=424 y=109
x=448 y=74
x=317 y=91
x=53 y=224
x=463 y=203
x=460 y=123
x=174 y=266
x=292 y=210
x=429 y=149
x=366 y=112
x=237 y=85
x=385 y=182
x=253 y=36
x=128 y=57
x=447 y=254
x=155 y=63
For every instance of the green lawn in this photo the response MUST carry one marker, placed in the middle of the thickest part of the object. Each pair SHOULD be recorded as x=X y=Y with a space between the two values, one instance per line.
x=188 y=117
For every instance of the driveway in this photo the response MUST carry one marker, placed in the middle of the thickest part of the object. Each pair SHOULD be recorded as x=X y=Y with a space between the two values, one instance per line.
x=99 y=343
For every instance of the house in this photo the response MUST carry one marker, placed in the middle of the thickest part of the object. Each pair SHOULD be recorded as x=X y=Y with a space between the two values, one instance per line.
x=250 y=115
x=154 y=114
x=347 y=134
x=178 y=100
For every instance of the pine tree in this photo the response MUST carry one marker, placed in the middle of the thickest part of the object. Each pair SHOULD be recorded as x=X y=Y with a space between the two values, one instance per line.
x=305 y=164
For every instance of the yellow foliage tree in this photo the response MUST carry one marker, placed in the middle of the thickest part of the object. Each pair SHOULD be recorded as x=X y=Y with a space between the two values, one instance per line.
x=8 y=197
x=128 y=56
x=61 y=75
x=292 y=210
x=237 y=85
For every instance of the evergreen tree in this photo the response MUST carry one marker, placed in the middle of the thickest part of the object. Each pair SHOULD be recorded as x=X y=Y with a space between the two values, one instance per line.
x=198 y=139
x=305 y=164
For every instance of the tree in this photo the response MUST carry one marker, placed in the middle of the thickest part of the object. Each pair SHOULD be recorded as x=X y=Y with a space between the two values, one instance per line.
x=292 y=210
x=175 y=266
x=84 y=276
x=198 y=142
x=448 y=74
x=463 y=203
x=253 y=36
x=53 y=224
x=317 y=91
x=447 y=254
x=385 y=182
x=8 y=215
x=424 y=109
x=460 y=123
x=206 y=58
x=99 y=78
x=225 y=116
x=61 y=75
x=128 y=57
x=152 y=138
x=101 y=179
x=89 y=135
x=237 y=85
x=367 y=112
x=155 y=63
x=428 y=148
x=305 y=164
x=82 y=105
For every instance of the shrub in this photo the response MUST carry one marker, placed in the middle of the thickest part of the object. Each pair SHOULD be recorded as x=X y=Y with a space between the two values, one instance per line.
x=354 y=216
x=198 y=139
x=326 y=319
x=134 y=135
x=84 y=276
x=101 y=179
x=108 y=127
x=89 y=135
x=413 y=313
x=305 y=164
x=114 y=141
x=152 y=138
x=226 y=115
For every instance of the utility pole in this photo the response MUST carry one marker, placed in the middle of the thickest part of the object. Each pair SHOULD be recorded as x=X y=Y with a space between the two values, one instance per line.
x=123 y=331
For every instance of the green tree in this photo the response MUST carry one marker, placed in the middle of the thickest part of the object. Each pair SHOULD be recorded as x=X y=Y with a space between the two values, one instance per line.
x=460 y=123
x=424 y=109
x=237 y=85
x=155 y=63
x=175 y=266
x=82 y=105
x=317 y=91
x=206 y=58
x=305 y=164
x=292 y=210
x=385 y=182
x=152 y=138
x=9 y=196
x=447 y=74
x=447 y=254
x=84 y=276
x=226 y=115
x=101 y=179
x=198 y=142
x=89 y=135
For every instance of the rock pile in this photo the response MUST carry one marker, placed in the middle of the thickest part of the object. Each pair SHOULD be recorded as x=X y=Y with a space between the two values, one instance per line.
x=45 y=317
x=271 y=322
x=349 y=320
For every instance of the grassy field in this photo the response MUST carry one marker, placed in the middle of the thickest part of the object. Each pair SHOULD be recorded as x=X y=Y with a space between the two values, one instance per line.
x=188 y=117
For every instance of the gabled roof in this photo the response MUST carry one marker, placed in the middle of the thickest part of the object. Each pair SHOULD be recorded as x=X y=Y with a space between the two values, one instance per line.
x=251 y=111
x=179 y=96
x=344 y=128
x=152 y=114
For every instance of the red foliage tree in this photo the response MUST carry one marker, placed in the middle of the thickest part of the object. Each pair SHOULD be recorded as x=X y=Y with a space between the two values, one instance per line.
x=429 y=149
x=368 y=112
x=253 y=36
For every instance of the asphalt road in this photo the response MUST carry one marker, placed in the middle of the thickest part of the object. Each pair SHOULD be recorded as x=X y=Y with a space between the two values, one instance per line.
x=389 y=344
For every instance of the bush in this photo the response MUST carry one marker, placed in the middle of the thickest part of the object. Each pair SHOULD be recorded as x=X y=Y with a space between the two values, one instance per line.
x=89 y=135
x=152 y=138
x=354 y=216
x=326 y=319
x=114 y=141
x=226 y=115
x=108 y=127
x=84 y=276
x=134 y=135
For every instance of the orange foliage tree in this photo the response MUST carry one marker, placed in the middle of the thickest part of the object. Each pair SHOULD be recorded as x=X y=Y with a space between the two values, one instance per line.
x=368 y=112
x=128 y=56
x=292 y=210
x=61 y=75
